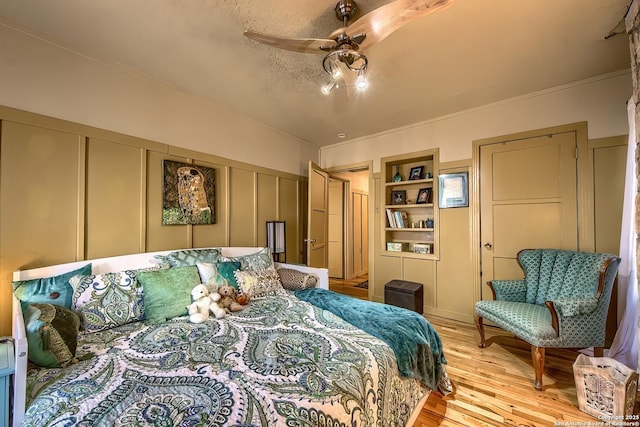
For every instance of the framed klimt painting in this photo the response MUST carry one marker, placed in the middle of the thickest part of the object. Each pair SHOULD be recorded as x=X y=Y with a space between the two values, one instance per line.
x=188 y=194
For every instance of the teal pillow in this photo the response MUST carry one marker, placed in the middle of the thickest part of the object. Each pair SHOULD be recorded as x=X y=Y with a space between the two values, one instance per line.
x=48 y=290
x=227 y=270
x=167 y=293
x=52 y=334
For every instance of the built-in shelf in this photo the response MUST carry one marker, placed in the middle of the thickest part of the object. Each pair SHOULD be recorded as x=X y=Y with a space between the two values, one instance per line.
x=404 y=222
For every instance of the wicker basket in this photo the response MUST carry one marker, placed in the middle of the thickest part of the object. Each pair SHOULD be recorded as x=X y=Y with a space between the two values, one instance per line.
x=605 y=387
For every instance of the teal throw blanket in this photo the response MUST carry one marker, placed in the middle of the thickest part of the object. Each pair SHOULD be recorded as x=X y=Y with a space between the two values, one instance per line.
x=416 y=344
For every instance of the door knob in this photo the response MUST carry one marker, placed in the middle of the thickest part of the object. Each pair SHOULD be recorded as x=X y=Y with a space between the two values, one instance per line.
x=312 y=241
x=488 y=246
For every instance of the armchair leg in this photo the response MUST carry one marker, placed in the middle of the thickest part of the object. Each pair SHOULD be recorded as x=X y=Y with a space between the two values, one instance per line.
x=537 y=354
x=480 y=327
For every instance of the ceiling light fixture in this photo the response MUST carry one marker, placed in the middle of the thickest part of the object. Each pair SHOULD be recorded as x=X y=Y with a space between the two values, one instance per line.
x=341 y=48
x=326 y=89
x=346 y=58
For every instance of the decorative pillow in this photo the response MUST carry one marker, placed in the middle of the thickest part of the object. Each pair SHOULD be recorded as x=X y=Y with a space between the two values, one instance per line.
x=167 y=293
x=49 y=290
x=193 y=256
x=227 y=270
x=52 y=334
x=210 y=276
x=294 y=280
x=257 y=283
x=257 y=261
x=207 y=271
x=160 y=261
x=107 y=300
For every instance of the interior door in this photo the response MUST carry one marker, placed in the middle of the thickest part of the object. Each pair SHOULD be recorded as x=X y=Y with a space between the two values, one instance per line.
x=318 y=217
x=336 y=228
x=356 y=230
x=527 y=199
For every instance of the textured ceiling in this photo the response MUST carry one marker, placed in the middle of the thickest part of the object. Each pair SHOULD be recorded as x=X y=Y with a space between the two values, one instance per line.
x=470 y=54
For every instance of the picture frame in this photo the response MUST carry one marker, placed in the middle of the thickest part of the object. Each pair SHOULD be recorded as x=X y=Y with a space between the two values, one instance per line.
x=453 y=190
x=398 y=197
x=188 y=194
x=424 y=196
x=416 y=173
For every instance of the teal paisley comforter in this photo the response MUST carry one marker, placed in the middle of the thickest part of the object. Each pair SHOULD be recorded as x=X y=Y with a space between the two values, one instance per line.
x=280 y=362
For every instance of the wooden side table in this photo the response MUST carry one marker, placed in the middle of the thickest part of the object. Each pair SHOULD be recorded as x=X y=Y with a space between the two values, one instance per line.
x=7 y=364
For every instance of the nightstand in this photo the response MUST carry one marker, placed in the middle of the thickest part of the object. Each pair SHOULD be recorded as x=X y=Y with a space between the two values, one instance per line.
x=7 y=364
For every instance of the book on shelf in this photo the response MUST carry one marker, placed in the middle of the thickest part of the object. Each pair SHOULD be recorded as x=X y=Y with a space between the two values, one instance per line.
x=401 y=219
x=391 y=218
x=405 y=219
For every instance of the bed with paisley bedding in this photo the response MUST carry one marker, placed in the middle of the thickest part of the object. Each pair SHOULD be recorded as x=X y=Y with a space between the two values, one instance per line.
x=281 y=361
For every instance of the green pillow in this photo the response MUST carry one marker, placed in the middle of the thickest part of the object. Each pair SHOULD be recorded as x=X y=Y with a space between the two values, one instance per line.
x=48 y=290
x=227 y=269
x=192 y=256
x=167 y=293
x=52 y=334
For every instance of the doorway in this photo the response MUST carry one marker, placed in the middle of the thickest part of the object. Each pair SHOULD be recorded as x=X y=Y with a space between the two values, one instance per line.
x=348 y=223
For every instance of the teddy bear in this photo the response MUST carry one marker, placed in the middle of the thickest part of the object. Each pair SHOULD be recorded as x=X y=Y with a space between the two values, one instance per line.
x=203 y=304
x=228 y=300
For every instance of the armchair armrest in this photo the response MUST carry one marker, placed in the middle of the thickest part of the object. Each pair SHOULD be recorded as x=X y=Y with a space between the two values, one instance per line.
x=567 y=307
x=508 y=290
x=573 y=306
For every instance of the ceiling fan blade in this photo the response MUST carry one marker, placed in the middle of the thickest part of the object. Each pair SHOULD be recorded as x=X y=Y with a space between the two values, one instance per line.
x=381 y=22
x=293 y=44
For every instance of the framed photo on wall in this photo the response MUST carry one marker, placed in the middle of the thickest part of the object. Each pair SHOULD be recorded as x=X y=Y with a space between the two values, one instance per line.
x=453 y=190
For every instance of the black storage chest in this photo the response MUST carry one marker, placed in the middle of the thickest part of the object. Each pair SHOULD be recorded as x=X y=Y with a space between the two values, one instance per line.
x=405 y=294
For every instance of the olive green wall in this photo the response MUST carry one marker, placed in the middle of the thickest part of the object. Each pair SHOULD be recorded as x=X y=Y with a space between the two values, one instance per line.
x=69 y=192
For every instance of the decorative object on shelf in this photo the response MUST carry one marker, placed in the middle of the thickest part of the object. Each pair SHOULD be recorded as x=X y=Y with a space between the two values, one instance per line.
x=397 y=177
x=397 y=246
x=429 y=223
x=398 y=197
x=188 y=194
x=422 y=248
x=424 y=196
x=416 y=173
x=276 y=240
x=453 y=190
x=428 y=175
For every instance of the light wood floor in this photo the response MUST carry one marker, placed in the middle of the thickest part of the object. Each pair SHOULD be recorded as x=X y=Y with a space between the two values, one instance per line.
x=347 y=287
x=494 y=386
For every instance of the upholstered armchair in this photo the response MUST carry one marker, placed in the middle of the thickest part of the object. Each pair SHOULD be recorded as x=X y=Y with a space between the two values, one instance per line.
x=561 y=302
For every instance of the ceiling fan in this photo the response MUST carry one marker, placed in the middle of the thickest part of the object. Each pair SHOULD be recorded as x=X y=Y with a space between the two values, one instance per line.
x=342 y=48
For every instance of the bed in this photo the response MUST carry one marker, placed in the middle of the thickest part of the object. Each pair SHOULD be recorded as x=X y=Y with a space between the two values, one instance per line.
x=285 y=360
